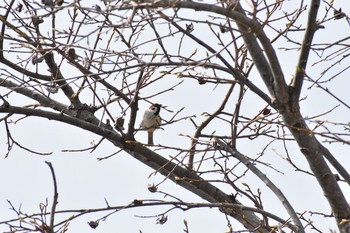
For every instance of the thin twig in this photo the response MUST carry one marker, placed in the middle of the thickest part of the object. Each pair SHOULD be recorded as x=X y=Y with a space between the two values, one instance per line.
x=266 y=180
x=55 y=197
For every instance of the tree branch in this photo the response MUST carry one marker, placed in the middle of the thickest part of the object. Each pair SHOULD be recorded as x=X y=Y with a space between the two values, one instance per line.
x=270 y=70
x=181 y=176
x=145 y=203
x=235 y=73
x=54 y=200
x=43 y=100
x=304 y=52
x=242 y=158
x=199 y=129
x=313 y=152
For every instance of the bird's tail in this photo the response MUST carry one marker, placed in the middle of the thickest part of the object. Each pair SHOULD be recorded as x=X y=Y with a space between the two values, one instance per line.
x=150 y=137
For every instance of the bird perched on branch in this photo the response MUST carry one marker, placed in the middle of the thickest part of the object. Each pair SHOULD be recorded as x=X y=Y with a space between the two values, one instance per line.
x=151 y=121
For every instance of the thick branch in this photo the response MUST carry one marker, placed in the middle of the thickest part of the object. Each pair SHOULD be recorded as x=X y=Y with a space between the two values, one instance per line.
x=269 y=69
x=49 y=59
x=235 y=73
x=43 y=100
x=181 y=176
x=342 y=171
x=313 y=152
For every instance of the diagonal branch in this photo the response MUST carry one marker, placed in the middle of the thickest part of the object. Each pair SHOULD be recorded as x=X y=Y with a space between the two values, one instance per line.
x=204 y=124
x=181 y=176
x=335 y=163
x=235 y=73
x=5 y=24
x=314 y=153
x=43 y=100
x=242 y=158
x=304 y=52
x=268 y=66
x=49 y=59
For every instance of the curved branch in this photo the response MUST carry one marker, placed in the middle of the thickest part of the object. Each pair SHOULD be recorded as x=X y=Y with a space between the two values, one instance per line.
x=7 y=62
x=235 y=73
x=314 y=153
x=269 y=69
x=181 y=176
x=43 y=100
x=144 y=203
x=49 y=59
x=204 y=124
x=85 y=71
x=242 y=158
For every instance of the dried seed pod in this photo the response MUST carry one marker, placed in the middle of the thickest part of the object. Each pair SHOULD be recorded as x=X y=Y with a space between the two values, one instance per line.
x=266 y=112
x=162 y=219
x=71 y=53
x=137 y=202
x=19 y=7
x=338 y=14
x=37 y=59
x=59 y=2
x=36 y=20
x=224 y=29
x=47 y=2
x=53 y=89
x=201 y=81
x=152 y=188
x=189 y=27
x=97 y=8
x=93 y=224
x=119 y=123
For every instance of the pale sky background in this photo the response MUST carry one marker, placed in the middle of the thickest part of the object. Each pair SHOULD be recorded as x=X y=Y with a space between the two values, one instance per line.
x=84 y=182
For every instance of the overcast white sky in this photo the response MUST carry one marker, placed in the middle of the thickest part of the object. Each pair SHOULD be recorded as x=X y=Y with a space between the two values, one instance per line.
x=84 y=182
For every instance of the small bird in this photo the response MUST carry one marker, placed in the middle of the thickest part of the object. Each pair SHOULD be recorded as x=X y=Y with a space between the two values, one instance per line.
x=151 y=121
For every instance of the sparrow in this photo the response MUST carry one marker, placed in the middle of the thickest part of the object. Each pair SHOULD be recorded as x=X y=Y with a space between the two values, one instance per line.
x=151 y=121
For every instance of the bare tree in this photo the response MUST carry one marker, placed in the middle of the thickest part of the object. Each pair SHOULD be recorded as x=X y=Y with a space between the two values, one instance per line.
x=92 y=66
